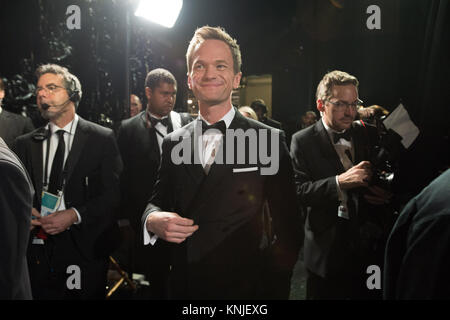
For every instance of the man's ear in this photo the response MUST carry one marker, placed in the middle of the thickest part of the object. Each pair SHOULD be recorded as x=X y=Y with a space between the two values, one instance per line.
x=148 y=93
x=320 y=105
x=237 y=80
x=189 y=82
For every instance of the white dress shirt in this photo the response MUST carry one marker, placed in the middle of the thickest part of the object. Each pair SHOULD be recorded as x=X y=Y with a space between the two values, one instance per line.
x=341 y=147
x=69 y=135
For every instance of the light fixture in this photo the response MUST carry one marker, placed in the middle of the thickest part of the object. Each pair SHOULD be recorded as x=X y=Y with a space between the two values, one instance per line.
x=162 y=12
x=189 y=101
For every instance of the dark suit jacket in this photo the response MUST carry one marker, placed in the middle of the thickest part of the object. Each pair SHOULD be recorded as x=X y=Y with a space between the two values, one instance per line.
x=418 y=250
x=92 y=187
x=13 y=125
x=329 y=240
x=223 y=258
x=138 y=146
x=16 y=196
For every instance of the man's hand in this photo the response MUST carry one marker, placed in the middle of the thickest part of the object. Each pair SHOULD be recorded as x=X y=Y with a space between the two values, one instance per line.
x=357 y=176
x=58 y=221
x=35 y=222
x=170 y=226
x=378 y=196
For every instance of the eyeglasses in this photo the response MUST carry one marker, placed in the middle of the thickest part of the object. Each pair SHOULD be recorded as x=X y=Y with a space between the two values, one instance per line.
x=50 y=89
x=342 y=104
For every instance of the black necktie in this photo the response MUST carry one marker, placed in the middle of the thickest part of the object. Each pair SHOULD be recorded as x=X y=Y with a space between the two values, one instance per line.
x=344 y=135
x=57 y=165
x=221 y=126
x=164 y=122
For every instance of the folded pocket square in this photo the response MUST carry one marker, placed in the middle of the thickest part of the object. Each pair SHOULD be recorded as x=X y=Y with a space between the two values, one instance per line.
x=237 y=170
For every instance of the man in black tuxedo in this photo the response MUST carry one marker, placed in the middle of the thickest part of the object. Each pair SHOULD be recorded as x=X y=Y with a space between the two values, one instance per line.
x=209 y=209
x=342 y=236
x=16 y=199
x=12 y=125
x=140 y=139
x=78 y=162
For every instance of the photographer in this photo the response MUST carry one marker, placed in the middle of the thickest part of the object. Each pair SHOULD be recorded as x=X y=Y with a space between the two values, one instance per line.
x=346 y=216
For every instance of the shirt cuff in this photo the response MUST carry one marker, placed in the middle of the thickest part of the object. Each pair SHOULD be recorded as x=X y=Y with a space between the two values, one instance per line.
x=341 y=196
x=149 y=238
x=78 y=216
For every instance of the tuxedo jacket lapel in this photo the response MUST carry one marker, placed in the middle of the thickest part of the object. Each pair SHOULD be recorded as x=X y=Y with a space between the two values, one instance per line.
x=79 y=140
x=327 y=149
x=194 y=169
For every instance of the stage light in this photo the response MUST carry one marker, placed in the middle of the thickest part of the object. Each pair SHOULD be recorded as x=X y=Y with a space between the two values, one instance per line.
x=163 y=12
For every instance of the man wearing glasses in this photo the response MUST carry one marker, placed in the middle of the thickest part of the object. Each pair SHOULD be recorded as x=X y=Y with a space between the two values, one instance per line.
x=74 y=165
x=333 y=178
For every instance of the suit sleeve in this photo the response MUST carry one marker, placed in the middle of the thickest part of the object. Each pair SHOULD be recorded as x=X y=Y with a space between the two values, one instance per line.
x=161 y=197
x=418 y=258
x=122 y=143
x=285 y=212
x=15 y=213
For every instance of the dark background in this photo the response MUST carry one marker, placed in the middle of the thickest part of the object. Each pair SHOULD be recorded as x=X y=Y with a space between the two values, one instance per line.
x=295 y=41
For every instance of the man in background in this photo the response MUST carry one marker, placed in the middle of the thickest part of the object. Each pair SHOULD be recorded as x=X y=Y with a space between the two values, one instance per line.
x=140 y=139
x=135 y=105
x=75 y=166
x=333 y=176
x=12 y=125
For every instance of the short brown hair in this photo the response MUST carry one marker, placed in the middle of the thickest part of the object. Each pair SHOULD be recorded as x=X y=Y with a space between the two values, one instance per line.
x=214 y=33
x=334 y=78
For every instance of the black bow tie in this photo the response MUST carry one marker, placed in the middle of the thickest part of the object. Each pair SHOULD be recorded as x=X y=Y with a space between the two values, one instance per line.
x=221 y=126
x=154 y=121
x=344 y=135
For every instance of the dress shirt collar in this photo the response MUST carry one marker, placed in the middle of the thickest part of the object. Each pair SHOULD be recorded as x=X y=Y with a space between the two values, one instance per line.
x=227 y=118
x=69 y=128
x=157 y=117
x=330 y=134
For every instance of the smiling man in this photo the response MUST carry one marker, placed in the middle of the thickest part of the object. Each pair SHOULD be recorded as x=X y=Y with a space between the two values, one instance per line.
x=333 y=178
x=212 y=213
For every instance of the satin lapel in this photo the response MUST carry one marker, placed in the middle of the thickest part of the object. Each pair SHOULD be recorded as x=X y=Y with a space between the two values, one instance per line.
x=195 y=169
x=327 y=148
x=37 y=165
x=79 y=140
